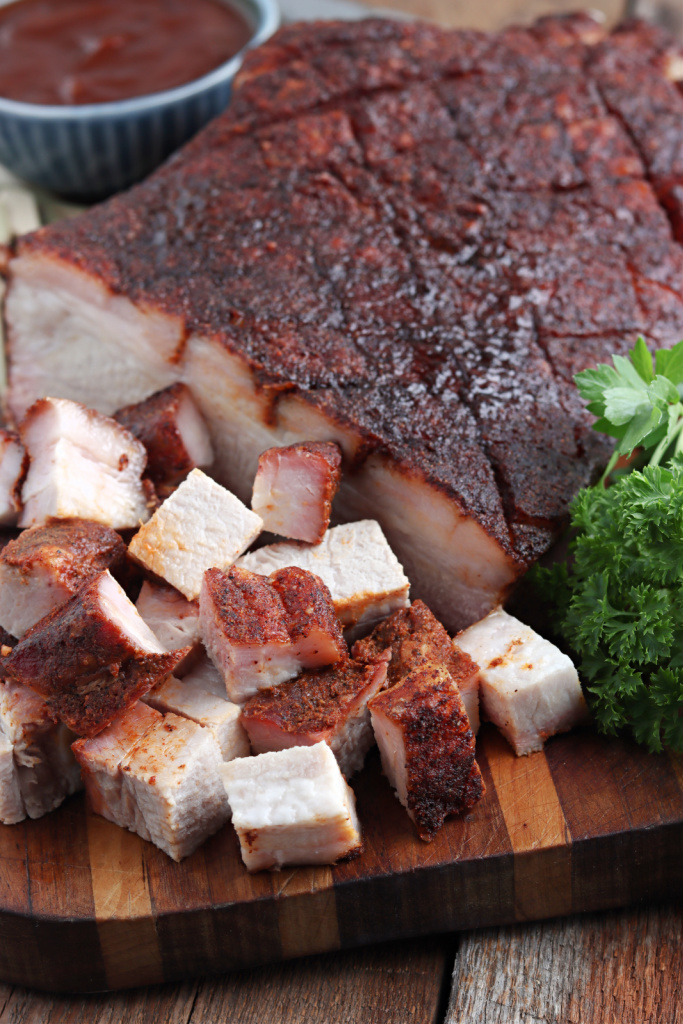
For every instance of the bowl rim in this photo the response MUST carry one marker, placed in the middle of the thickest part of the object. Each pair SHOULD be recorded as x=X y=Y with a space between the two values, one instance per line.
x=266 y=14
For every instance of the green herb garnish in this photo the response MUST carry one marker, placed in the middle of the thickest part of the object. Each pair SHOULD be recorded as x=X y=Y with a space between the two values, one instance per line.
x=618 y=602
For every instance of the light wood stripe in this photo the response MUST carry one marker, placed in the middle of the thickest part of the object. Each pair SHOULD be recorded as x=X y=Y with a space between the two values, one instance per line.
x=307 y=911
x=537 y=828
x=123 y=905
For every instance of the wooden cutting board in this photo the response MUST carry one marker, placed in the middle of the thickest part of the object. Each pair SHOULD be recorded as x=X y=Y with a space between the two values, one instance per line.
x=588 y=824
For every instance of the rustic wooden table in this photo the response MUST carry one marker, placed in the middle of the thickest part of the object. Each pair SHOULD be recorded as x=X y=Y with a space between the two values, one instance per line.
x=621 y=966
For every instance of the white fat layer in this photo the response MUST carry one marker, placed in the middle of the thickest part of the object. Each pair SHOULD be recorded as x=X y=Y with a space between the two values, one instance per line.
x=291 y=807
x=364 y=577
x=12 y=807
x=173 y=777
x=25 y=598
x=67 y=334
x=528 y=688
x=189 y=699
x=200 y=526
x=194 y=433
x=46 y=771
x=11 y=465
x=392 y=752
x=97 y=437
x=119 y=609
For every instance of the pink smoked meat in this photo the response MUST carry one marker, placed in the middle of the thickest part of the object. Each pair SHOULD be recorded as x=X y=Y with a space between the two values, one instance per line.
x=13 y=468
x=294 y=488
x=91 y=658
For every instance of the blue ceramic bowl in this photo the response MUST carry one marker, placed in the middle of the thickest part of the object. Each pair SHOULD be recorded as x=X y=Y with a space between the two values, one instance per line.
x=88 y=152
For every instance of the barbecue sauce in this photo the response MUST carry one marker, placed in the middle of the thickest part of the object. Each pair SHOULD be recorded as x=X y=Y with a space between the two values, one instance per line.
x=94 y=51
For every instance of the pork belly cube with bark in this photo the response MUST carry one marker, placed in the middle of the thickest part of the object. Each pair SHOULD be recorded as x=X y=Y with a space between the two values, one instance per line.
x=329 y=704
x=427 y=747
x=91 y=658
x=529 y=689
x=45 y=566
x=174 y=433
x=292 y=807
x=262 y=631
x=294 y=488
x=44 y=770
x=414 y=636
x=354 y=561
x=190 y=698
x=13 y=467
x=82 y=465
x=200 y=526
x=173 y=619
x=158 y=776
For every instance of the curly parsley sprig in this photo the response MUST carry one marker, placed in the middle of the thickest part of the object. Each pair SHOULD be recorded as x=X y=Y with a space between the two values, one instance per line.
x=618 y=602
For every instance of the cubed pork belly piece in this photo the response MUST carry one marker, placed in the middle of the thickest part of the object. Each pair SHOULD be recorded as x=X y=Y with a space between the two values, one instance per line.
x=174 y=433
x=262 y=631
x=427 y=746
x=292 y=807
x=45 y=566
x=13 y=468
x=529 y=689
x=173 y=619
x=45 y=771
x=294 y=488
x=329 y=704
x=355 y=562
x=188 y=698
x=91 y=658
x=200 y=526
x=82 y=465
x=165 y=785
x=414 y=635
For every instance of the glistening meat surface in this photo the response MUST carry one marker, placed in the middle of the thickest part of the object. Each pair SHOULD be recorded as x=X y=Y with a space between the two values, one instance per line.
x=402 y=239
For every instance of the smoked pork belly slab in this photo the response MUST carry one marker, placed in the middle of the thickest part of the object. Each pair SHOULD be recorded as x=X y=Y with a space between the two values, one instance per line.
x=13 y=467
x=173 y=619
x=91 y=658
x=43 y=771
x=427 y=746
x=260 y=631
x=529 y=689
x=156 y=775
x=200 y=526
x=414 y=635
x=292 y=807
x=294 y=488
x=329 y=704
x=354 y=560
x=82 y=464
x=173 y=432
x=45 y=566
x=409 y=249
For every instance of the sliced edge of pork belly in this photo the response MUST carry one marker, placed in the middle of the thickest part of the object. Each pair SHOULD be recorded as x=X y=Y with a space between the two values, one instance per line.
x=529 y=688
x=188 y=698
x=294 y=487
x=45 y=565
x=329 y=704
x=261 y=631
x=173 y=432
x=13 y=469
x=364 y=576
x=292 y=807
x=91 y=658
x=414 y=636
x=46 y=772
x=82 y=464
x=199 y=527
x=427 y=747
x=173 y=619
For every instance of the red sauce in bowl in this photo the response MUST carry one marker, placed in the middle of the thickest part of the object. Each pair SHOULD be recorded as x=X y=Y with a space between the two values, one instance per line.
x=94 y=51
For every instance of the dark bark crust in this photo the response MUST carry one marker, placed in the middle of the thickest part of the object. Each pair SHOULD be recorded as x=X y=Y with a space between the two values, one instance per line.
x=425 y=234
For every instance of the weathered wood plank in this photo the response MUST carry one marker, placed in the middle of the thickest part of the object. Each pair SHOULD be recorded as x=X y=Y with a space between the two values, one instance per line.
x=622 y=966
